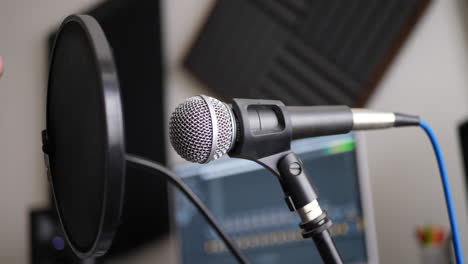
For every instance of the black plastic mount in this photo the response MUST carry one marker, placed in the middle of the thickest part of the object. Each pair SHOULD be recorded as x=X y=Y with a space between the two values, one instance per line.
x=264 y=126
x=266 y=131
x=316 y=226
x=295 y=182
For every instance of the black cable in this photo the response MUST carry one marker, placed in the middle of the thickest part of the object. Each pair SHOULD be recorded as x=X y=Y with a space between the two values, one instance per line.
x=326 y=247
x=155 y=168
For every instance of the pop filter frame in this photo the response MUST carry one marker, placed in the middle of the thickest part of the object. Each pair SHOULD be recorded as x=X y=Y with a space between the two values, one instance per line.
x=111 y=146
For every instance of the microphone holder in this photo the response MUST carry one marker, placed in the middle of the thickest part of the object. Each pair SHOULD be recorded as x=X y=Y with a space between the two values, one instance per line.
x=274 y=135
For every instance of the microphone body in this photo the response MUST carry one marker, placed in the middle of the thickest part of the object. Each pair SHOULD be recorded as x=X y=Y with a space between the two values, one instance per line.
x=314 y=121
x=203 y=128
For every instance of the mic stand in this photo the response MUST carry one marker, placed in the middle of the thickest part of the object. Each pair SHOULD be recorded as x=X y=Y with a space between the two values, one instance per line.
x=301 y=197
x=266 y=130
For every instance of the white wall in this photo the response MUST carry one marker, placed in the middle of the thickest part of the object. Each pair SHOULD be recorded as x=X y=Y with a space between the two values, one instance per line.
x=429 y=78
x=24 y=28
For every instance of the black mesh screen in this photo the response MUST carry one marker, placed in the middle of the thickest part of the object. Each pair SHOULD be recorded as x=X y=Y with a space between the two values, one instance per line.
x=77 y=134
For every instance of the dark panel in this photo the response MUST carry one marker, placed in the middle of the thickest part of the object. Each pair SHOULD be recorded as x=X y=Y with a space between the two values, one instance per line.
x=48 y=244
x=133 y=30
x=302 y=52
x=463 y=136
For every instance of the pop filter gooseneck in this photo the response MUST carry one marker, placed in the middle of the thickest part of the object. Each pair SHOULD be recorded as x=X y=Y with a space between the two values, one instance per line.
x=84 y=143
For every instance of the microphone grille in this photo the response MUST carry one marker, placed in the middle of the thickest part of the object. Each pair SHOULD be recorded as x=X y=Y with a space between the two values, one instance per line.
x=202 y=129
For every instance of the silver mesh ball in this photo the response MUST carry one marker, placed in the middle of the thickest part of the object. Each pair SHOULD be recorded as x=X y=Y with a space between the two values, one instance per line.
x=197 y=124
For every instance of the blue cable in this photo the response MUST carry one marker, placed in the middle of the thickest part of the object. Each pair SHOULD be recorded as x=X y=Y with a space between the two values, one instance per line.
x=447 y=192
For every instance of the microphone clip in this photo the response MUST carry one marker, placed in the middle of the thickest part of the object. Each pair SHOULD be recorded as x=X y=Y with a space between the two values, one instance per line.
x=266 y=123
x=262 y=123
x=45 y=147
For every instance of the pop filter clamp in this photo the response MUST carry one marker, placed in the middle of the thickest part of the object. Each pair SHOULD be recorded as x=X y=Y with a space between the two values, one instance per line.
x=276 y=156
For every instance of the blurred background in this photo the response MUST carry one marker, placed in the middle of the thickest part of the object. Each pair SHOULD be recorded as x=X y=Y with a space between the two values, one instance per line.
x=404 y=56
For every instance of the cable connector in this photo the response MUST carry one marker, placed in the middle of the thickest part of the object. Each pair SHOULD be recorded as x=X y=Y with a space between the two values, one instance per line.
x=365 y=119
x=406 y=120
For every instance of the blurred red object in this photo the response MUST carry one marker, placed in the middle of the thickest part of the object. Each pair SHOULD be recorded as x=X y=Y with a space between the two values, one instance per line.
x=1 y=67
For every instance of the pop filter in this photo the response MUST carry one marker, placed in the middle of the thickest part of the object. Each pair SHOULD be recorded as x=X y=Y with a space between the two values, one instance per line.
x=84 y=141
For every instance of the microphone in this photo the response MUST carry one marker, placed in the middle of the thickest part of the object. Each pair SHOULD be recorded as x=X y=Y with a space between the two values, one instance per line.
x=203 y=129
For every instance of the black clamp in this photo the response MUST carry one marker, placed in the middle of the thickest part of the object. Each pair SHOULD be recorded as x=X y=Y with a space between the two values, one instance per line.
x=316 y=226
x=46 y=147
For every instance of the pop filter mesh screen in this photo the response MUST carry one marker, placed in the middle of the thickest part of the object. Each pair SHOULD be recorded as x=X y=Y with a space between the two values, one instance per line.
x=76 y=129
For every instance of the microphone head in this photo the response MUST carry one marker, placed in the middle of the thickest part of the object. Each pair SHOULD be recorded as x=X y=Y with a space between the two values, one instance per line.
x=202 y=129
